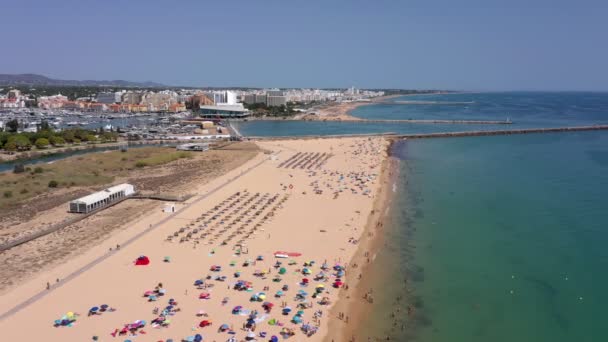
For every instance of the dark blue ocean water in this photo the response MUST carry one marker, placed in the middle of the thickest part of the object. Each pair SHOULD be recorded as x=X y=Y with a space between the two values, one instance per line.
x=500 y=238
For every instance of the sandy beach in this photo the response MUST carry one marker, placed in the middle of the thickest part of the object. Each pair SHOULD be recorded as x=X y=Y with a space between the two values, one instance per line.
x=341 y=111
x=212 y=265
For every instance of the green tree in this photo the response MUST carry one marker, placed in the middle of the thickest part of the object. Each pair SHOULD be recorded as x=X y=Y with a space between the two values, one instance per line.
x=4 y=137
x=10 y=146
x=12 y=126
x=68 y=135
x=109 y=136
x=20 y=141
x=56 y=140
x=42 y=143
x=90 y=138
x=53 y=184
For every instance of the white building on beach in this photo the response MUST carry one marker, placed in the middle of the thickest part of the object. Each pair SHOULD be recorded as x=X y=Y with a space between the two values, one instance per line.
x=101 y=199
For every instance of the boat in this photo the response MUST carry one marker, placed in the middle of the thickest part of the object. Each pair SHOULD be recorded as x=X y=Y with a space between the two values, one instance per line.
x=193 y=147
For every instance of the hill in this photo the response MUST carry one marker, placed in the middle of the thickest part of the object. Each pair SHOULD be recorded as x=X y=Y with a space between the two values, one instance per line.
x=40 y=80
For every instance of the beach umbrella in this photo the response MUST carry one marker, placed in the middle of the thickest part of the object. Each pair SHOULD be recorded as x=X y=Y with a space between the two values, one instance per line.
x=274 y=339
x=282 y=270
x=94 y=309
x=200 y=312
x=198 y=282
x=104 y=307
x=279 y=294
x=300 y=313
x=262 y=296
x=306 y=271
x=152 y=298
x=198 y=338
x=224 y=327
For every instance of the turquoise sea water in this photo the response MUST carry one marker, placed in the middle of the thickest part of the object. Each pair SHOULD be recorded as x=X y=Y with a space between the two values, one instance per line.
x=500 y=238
x=524 y=109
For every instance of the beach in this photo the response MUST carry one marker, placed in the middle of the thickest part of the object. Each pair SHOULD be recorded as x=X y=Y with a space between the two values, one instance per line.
x=340 y=111
x=212 y=265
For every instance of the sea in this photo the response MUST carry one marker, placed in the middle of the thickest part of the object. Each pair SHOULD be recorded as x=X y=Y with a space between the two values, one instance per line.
x=496 y=238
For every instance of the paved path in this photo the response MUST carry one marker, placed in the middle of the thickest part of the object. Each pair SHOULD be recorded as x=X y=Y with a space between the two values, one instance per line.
x=100 y=259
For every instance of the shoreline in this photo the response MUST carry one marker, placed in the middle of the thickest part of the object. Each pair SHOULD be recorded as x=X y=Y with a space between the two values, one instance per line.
x=352 y=300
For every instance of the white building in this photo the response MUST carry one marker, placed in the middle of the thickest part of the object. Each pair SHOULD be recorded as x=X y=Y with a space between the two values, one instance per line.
x=223 y=98
x=101 y=199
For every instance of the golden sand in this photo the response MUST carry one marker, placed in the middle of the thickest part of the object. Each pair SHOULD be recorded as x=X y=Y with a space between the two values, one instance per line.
x=315 y=205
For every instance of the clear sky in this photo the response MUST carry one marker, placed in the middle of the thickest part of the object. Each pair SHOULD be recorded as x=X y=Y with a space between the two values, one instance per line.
x=441 y=44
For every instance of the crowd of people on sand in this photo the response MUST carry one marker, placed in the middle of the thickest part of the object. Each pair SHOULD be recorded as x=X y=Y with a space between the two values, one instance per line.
x=364 y=159
x=264 y=302
x=240 y=215
x=258 y=286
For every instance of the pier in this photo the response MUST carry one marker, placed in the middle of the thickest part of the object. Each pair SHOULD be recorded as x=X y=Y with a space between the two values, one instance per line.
x=361 y=120
x=422 y=121
x=502 y=132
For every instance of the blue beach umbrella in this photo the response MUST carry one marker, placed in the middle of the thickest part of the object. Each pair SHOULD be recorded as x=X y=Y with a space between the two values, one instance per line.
x=94 y=309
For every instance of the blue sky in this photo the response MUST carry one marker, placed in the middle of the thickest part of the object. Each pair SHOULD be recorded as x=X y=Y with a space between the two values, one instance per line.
x=464 y=45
